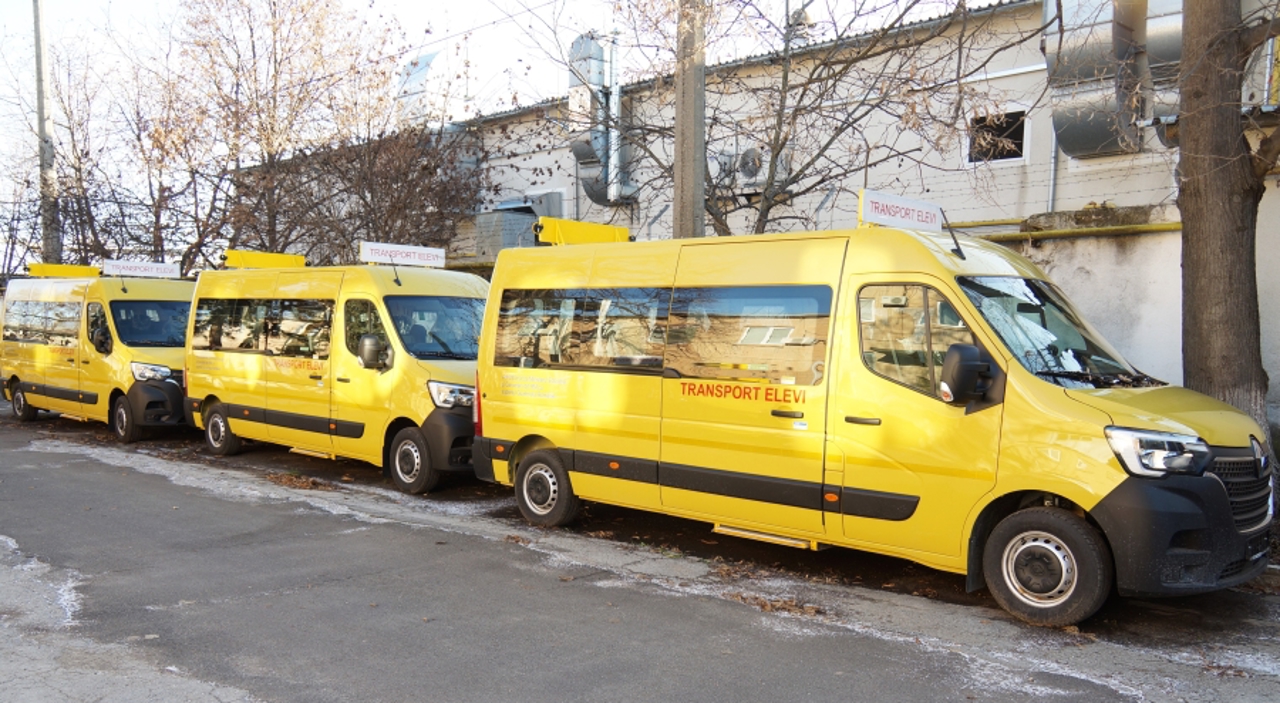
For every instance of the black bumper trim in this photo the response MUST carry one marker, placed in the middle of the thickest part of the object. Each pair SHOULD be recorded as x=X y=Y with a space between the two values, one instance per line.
x=156 y=404
x=450 y=433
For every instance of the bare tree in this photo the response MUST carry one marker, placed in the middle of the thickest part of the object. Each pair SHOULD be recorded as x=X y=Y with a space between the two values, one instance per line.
x=1220 y=188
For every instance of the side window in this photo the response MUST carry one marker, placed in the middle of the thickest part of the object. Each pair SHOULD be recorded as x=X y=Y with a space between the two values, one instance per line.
x=300 y=328
x=905 y=332
x=596 y=327
x=360 y=317
x=229 y=324
x=64 y=323
x=776 y=334
x=95 y=317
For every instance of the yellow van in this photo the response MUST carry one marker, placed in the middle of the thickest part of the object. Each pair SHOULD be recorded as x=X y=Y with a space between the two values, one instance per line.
x=97 y=348
x=369 y=362
x=884 y=389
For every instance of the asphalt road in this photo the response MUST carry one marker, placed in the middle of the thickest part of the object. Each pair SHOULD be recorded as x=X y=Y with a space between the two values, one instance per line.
x=157 y=572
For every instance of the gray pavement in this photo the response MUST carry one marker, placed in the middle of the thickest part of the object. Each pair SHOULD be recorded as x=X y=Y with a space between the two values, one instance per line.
x=127 y=575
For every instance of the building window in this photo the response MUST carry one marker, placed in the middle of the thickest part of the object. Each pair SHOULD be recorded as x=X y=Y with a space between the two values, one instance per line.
x=997 y=137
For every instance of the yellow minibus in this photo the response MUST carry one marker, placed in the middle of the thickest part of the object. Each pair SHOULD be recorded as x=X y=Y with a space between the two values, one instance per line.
x=97 y=348
x=886 y=389
x=371 y=362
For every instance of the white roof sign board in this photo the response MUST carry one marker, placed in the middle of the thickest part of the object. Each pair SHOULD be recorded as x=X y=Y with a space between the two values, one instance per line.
x=374 y=253
x=140 y=269
x=896 y=211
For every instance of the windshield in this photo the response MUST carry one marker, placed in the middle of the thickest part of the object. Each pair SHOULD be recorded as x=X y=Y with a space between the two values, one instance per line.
x=432 y=327
x=1046 y=334
x=151 y=323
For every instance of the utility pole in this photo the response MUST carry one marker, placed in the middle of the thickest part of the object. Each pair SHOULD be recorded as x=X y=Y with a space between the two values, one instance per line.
x=691 y=120
x=51 y=228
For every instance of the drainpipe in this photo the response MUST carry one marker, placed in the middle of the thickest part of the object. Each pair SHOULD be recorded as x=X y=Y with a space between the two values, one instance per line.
x=1053 y=168
x=615 y=115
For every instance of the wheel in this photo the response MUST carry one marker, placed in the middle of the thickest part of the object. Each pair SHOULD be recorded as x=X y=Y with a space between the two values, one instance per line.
x=21 y=408
x=126 y=430
x=217 y=431
x=543 y=492
x=410 y=468
x=1048 y=567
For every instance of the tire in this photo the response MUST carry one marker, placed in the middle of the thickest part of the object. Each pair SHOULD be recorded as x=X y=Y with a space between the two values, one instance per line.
x=22 y=410
x=122 y=424
x=1048 y=567
x=217 y=431
x=409 y=463
x=543 y=491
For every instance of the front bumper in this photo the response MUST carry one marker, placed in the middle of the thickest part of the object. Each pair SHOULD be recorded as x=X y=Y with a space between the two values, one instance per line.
x=156 y=403
x=449 y=433
x=1177 y=536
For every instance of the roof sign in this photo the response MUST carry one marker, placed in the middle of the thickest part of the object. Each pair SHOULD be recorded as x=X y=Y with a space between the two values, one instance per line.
x=140 y=269
x=400 y=254
x=896 y=211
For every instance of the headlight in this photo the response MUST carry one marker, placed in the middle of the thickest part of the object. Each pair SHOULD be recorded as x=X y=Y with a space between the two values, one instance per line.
x=1260 y=453
x=1145 y=453
x=150 y=372
x=449 y=395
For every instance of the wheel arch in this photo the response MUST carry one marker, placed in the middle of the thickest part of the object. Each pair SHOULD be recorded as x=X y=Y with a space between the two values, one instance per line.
x=1003 y=507
x=525 y=446
x=388 y=435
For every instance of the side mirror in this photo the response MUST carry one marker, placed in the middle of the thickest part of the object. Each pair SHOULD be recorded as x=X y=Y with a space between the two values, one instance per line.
x=964 y=374
x=371 y=352
x=100 y=337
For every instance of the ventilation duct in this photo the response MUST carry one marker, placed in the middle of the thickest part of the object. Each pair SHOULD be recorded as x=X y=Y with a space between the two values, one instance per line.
x=595 y=105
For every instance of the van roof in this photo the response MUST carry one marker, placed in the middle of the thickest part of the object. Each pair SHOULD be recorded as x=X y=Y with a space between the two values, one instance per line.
x=412 y=278
x=874 y=249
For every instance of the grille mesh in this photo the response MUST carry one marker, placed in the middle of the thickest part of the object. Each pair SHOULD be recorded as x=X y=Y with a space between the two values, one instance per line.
x=1249 y=493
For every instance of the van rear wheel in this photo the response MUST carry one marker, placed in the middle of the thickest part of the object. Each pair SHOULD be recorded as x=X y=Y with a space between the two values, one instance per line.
x=21 y=408
x=126 y=430
x=543 y=491
x=410 y=468
x=217 y=431
x=1048 y=567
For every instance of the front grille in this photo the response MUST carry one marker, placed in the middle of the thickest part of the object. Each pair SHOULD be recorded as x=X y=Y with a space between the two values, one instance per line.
x=1235 y=568
x=1249 y=493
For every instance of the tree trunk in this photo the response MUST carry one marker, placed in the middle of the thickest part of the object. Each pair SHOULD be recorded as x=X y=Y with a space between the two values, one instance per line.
x=1218 y=196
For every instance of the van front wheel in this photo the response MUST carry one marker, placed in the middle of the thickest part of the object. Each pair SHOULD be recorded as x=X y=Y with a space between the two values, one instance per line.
x=543 y=492
x=411 y=470
x=21 y=408
x=126 y=430
x=1048 y=567
x=217 y=432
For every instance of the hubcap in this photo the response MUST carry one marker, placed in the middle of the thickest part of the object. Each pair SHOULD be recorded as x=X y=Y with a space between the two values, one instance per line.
x=1039 y=569
x=541 y=489
x=122 y=418
x=19 y=402
x=408 y=461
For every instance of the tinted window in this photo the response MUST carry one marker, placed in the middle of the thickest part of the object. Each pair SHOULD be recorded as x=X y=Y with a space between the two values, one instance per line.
x=360 y=317
x=230 y=324
x=300 y=328
x=42 y=322
x=592 y=328
x=768 y=333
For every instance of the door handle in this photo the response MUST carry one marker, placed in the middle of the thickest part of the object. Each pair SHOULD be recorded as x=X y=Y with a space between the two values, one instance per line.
x=861 y=420
x=787 y=413
x=342 y=380
x=315 y=377
x=84 y=361
x=72 y=361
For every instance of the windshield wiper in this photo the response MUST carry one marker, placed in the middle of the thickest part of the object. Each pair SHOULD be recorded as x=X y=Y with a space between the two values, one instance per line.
x=443 y=355
x=1101 y=380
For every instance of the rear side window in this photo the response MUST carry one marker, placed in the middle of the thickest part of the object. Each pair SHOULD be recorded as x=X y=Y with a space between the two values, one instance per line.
x=905 y=332
x=776 y=334
x=600 y=328
x=300 y=328
x=230 y=325
x=42 y=322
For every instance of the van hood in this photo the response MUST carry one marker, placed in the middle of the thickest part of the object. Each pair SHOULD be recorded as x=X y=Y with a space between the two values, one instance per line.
x=163 y=356
x=462 y=373
x=1173 y=409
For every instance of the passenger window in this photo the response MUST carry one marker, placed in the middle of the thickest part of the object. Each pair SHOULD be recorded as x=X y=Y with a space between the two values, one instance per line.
x=301 y=328
x=229 y=324
x=360 y=317
x=606 y=328
x=906 y=331
x=776 y=334
x=96 y=316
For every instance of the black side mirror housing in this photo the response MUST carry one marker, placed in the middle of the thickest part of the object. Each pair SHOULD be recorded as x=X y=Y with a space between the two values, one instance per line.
x=371 y=352
x=100 y=337
x=966 y=375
